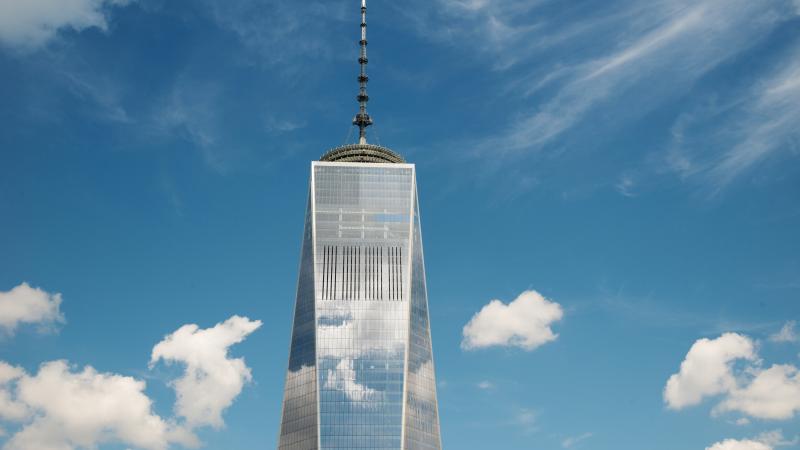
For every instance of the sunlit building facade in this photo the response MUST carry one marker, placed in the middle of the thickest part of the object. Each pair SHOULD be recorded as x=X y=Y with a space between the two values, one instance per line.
x=361 y=372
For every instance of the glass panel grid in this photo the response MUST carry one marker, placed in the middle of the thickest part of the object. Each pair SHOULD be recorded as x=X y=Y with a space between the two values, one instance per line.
x=363 y=218
x=361 y=306
x=299 y=418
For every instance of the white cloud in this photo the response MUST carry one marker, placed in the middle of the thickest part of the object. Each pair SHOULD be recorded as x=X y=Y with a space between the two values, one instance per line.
x=732 y=444
x=524 y=323
x=786 y=334
x=11 y=409
x=83 y=409
x=31 y=23
x=707 y=370
x=26 y=305
x=66 y=408
x=212 y=380
x=774 y=393
x=765 y=441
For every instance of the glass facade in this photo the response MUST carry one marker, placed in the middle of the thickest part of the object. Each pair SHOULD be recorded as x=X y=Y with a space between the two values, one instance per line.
x=360 y=367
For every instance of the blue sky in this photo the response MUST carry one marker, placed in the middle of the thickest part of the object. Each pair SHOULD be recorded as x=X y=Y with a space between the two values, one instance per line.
x=633 y=162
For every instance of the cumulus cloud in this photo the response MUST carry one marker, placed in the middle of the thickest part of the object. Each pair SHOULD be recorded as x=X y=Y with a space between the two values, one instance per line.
x=707 y=370
x=774 y=393
x=765 y=441
x=710 y=369
x=732 y=444
x=786 y=334
x=26 y=305
x=212 y=380
x=10 y=408
x=31 y=23
x=63 y=407
x=72 y=409
x=525 y=323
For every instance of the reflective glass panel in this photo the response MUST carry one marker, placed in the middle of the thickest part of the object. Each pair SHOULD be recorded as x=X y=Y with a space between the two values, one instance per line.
x=363 y=216
x=361 y=368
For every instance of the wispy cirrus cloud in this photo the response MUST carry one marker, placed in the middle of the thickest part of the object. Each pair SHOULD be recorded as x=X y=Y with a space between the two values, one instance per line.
x=285 y=35
x=760 y=123
x=190 y=112
x=573 y=80
x=488 y=27
x=666 y=49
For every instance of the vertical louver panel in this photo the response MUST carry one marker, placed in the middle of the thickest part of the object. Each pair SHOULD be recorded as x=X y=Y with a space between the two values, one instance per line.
x=361 y=273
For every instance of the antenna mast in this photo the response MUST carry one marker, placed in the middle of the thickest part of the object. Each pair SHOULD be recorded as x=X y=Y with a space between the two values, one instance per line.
x=362 y=119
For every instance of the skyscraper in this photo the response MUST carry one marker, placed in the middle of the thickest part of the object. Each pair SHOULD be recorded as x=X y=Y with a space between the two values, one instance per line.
x=361 y=372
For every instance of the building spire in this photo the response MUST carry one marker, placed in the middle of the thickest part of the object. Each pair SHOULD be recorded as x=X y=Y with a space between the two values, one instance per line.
x=362 y=119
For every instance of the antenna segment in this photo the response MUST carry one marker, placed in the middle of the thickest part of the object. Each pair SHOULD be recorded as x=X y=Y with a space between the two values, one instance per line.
x=362 y=119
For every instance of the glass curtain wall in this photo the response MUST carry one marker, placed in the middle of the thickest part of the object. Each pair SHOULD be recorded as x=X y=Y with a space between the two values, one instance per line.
x=371 y=359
